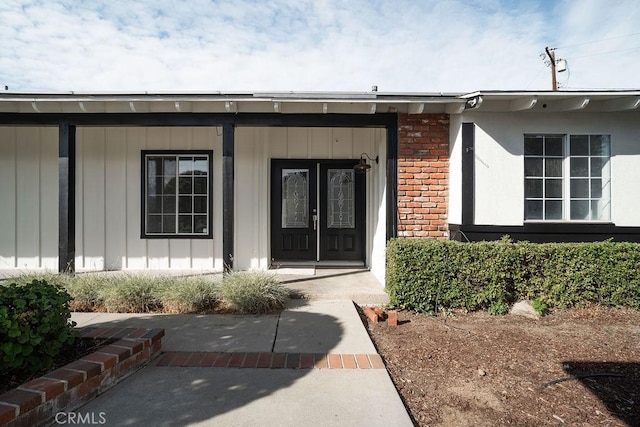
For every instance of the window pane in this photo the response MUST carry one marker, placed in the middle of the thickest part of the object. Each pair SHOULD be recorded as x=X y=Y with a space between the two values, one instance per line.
x=200 y=185
x=596 y=188
x=154 y=166
x=553 y=146
x=533 y=209
x=200 y=224
x=580 y=209
x=169 y=167
x=200 y=204
x=186 y=186
x=533 y=167
x=553 y=188
x=169 y=185
x=169 y=204
x=579 y=188
x=184 y=224
x=598 y=166
x=553 y=209
x=579 y=145
x=200 y=166
x=154 y=224
x=168 y=223
x=600 y=145
x=579 y=167
x=154 y=204
x=154 y=185
x=185 y=204
x=185 y=166
x=533 y=145
x=600 y=210
x=532 y=188
x=553 y=167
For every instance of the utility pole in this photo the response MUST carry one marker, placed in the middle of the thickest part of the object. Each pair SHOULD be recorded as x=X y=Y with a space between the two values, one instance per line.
x=552 y=57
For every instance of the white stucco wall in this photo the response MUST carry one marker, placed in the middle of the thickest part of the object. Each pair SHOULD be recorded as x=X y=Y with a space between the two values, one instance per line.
x=499 y=165
x=455 y=170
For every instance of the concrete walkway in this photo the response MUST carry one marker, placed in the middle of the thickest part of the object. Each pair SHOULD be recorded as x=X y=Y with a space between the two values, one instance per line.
x=321 y=369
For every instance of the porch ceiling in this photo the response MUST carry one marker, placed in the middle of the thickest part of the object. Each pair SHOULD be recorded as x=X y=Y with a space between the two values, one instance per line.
x=285 y=103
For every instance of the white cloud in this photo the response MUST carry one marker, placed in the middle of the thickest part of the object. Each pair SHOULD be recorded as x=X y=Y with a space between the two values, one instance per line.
x=253 y=45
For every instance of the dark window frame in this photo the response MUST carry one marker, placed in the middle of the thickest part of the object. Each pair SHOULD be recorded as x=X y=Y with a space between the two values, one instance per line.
x=144 y=189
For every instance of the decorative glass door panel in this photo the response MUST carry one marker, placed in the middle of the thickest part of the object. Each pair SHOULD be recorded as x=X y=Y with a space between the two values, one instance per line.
x=340 y=198
x=295 y=198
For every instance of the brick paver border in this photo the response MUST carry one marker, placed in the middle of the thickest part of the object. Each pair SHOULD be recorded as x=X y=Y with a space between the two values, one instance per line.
x=270 y=360
x=66 y=388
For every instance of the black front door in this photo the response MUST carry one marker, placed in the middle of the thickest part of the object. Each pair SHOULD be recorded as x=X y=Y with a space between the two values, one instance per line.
x=317 y=210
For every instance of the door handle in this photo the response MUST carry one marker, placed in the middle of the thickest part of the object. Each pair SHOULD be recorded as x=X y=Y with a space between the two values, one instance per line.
x=315 y=221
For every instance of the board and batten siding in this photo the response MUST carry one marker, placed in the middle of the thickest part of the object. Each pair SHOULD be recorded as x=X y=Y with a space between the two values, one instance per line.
x=108 y=186
x=108 y=194
x=499 y=164
x=254 y=149
x=29 y=198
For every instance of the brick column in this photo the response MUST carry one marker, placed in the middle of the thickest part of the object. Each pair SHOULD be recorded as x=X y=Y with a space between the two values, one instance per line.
x=423 y=175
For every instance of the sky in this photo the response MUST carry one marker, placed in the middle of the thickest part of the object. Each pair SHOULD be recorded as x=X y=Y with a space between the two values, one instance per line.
x=316 y=45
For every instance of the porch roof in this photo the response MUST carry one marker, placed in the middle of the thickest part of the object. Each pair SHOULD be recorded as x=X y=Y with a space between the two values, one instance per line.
x=554 y=101
x=320 y=102
x=235 y=102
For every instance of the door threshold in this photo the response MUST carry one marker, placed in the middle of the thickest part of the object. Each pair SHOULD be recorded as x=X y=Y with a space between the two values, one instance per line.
x=317 y=264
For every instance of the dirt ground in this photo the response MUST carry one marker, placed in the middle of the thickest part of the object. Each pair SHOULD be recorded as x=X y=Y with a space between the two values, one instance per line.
x=481 y=370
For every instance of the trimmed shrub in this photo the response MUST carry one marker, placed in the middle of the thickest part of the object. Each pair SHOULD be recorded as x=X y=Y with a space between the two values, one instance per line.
x=34 y=326
x=427 y=275
x=253 y=292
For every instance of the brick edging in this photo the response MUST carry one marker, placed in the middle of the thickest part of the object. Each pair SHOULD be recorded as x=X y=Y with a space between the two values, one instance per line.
x=37 y=401
x=212 y=359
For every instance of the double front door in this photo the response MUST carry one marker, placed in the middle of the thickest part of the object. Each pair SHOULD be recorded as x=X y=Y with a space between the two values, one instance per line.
x=317 y=210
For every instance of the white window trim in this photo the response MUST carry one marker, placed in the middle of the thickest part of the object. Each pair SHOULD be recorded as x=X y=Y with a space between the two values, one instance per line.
x=566 y=177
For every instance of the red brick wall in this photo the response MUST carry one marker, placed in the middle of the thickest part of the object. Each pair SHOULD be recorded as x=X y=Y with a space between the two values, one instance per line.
x=423 y=175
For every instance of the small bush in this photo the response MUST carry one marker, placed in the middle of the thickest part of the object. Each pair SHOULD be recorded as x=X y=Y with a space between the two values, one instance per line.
x=426 y=275
x=188 y=295
x=539 y=306
x=253 y=292
x=132 y=294
x=34 y=326
x=87 y=292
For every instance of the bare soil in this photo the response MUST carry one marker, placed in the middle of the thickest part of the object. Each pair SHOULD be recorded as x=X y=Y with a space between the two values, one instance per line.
x=577 y=367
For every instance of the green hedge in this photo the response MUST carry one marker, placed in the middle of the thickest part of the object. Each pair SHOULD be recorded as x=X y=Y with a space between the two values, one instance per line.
x=427 y=275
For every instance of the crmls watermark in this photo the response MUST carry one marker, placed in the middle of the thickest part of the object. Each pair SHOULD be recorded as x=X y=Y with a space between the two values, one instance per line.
x=78 y=418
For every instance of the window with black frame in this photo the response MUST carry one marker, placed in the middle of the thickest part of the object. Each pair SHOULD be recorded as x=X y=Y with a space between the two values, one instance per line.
x=177 y=194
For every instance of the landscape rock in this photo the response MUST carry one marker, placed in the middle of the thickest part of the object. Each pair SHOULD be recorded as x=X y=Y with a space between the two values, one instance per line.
x=524 y=309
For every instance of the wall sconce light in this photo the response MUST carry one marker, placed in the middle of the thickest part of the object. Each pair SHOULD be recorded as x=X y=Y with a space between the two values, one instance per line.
x=362 y=165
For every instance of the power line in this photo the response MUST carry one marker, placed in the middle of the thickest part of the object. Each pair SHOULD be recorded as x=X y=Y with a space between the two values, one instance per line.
x=604 y=53
x=597 y=41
